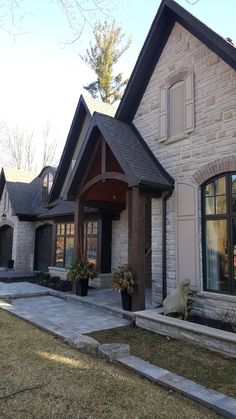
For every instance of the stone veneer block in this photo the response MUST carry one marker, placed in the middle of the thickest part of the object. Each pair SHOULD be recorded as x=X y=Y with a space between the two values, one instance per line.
x=113 y=351
x=208 y=337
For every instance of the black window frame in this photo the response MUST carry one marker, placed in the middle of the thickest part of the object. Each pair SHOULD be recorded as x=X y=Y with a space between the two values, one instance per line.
x=64 y=236
x=229 y=216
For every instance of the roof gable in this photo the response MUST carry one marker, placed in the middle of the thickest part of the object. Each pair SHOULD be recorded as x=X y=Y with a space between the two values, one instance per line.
x=168 y=13
x=131 y=152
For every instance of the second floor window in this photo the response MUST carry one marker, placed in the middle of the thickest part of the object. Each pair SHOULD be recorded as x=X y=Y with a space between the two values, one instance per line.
x=47 y=186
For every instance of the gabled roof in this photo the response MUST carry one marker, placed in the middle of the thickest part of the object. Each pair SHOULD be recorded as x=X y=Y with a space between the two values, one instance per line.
x=24 y=189
x=86 y=107
x=135 y=158
x=168 y=13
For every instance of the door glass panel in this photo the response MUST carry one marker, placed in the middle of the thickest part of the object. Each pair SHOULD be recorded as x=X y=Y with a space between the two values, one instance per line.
x=69 y=251
x=234 y=203
x=60 y=251
x=216 y=255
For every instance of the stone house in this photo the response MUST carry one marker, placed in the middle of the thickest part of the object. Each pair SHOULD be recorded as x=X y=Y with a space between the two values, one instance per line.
x=155 y=185
x=163 y=170
x=23 y=197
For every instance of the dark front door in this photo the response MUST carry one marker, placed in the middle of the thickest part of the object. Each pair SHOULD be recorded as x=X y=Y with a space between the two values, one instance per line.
x=6 y=239
x=43 y=248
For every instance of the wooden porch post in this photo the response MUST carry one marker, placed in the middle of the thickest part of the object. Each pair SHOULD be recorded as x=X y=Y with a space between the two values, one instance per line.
x=137 y=246
x=79 y=229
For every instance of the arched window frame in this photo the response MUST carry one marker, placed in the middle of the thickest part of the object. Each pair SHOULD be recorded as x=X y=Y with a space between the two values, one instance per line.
x=229 y=218
x=186 y=77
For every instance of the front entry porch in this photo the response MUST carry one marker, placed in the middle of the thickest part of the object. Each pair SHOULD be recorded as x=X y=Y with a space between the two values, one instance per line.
x=115 y=173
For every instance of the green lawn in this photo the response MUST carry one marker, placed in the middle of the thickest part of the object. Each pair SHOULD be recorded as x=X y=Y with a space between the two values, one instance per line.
x=41 y=377
x=201 y=365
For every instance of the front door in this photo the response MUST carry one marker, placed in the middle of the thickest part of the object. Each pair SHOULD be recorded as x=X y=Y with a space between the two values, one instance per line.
x=6 y=239
x=43 y=248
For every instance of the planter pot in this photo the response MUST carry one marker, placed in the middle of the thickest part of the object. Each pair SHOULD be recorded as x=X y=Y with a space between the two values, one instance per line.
x=126 y=299
x=80 y=287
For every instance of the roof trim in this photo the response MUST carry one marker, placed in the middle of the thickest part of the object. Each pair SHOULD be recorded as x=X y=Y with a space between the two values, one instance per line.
x=96 y=129
x=168 y=13
x=69 y=148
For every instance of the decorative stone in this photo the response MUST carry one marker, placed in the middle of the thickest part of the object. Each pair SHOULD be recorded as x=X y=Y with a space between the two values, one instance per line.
x=176 y=302
x=113 y=351
x=84 y=343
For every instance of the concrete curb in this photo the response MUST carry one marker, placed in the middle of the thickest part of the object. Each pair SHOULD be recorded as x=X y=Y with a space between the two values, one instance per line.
x=221 y=404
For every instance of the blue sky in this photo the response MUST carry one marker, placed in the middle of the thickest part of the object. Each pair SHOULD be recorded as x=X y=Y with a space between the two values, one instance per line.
x=42 y=78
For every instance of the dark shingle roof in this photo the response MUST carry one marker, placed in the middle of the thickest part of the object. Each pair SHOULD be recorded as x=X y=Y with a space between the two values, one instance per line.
x=25 y=197
x=61 y=208
x=140 y=166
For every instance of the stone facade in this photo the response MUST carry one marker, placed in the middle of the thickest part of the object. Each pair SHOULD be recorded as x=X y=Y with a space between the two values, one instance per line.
x=193 y=157
x=120 y=240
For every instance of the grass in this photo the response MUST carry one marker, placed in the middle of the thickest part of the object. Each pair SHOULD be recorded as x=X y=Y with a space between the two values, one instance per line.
x=208 y=368
x=43 y=378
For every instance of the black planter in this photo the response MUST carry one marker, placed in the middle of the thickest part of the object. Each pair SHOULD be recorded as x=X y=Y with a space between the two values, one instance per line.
x=80 y=287
x=126 y=299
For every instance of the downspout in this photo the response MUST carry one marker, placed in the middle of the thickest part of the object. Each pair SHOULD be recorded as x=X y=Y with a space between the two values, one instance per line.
x=166 y=196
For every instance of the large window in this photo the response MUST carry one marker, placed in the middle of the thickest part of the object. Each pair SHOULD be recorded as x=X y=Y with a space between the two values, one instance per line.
x=64 y=245
x=219 y=234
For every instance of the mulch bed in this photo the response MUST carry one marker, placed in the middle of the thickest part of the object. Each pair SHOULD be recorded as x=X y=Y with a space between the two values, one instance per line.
x=216 y=324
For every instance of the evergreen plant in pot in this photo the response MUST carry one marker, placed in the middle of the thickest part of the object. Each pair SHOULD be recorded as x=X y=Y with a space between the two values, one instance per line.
x=124 y=281
x=79 y=273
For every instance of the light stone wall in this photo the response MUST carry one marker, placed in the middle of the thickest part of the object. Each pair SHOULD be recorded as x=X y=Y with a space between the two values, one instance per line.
x=23 y=238
x=119 y=253
x=213 y=139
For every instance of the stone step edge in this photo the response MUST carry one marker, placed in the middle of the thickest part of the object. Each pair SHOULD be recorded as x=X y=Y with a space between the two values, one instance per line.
x=213 y=400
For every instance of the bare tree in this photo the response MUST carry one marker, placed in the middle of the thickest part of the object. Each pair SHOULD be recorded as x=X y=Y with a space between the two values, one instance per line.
x=78 y=13
x=49 y=147
x=20 y=148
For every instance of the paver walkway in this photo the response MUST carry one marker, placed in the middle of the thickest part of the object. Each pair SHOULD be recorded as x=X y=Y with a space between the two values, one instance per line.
x=70 y=319
x=63 y=318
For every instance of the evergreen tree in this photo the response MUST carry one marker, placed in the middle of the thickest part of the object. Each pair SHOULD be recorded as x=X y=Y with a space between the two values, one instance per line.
x=102 y=57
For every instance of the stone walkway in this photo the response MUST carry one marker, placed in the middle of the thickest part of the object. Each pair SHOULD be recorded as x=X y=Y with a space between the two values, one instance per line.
x=69 y=317
x=63 y=318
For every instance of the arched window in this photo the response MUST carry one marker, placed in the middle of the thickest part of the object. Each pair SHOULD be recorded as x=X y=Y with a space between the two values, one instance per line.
x=219 y=233
x=47 y=186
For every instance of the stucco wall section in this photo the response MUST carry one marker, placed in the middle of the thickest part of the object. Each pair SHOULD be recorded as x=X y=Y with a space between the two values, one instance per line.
x=214 y=136
x=120 y=240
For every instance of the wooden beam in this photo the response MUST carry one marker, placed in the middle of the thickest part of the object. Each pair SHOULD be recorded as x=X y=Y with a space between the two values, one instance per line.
x=137 y=225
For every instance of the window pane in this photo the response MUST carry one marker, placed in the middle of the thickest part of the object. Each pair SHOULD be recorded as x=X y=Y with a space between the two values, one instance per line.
x=210 y=205
x=220 y=204
x=216 y=255
x=92 y=249
x=72 y=230
x=234 y=203
x=60 y=252
x=68 y=229
x=50 y=182
x=62 y=229
x=58 y=229
x=233 y=178
x=220 y=186
x=234 y=254
x=69 y=251
x=209 y=190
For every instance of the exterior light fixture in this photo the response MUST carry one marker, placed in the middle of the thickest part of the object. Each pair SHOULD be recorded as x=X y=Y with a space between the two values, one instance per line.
x=3 y=216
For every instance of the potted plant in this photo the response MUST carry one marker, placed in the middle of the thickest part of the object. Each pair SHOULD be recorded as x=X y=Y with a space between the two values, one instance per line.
x=124 y=281
x=79 y=273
